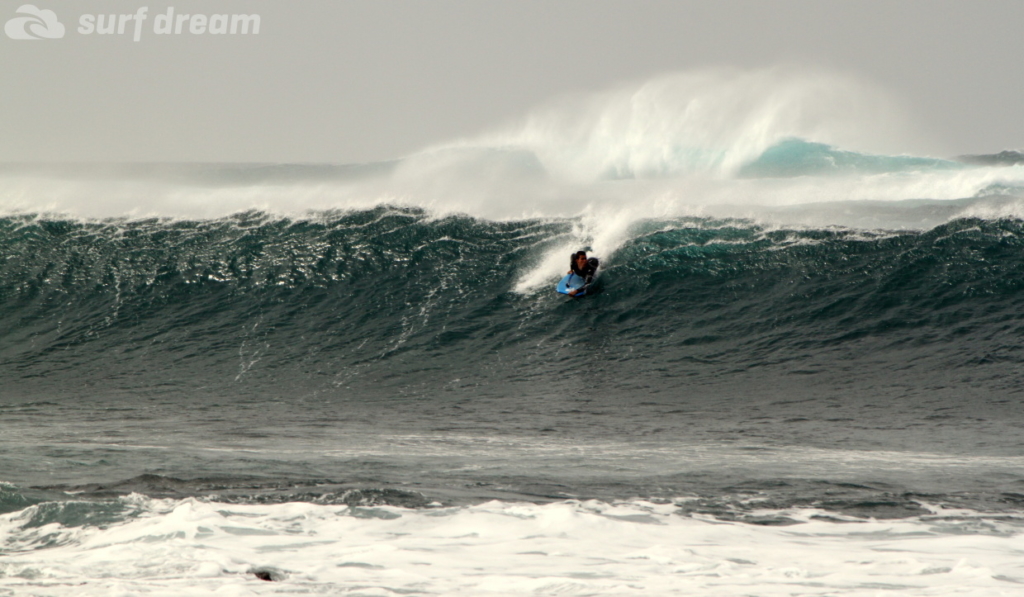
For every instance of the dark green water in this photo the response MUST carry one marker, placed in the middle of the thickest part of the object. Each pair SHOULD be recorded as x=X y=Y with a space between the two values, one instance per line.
x=380 y=349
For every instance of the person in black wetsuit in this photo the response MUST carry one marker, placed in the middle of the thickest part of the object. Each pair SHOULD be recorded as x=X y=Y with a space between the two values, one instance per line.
x=584 y=268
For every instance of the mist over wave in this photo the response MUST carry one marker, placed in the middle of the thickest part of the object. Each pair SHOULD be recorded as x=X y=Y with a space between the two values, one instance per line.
x=709 y=122
x=716 y=142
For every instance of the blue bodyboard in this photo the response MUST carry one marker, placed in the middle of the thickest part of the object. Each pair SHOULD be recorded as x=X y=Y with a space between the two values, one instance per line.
x=571 y=282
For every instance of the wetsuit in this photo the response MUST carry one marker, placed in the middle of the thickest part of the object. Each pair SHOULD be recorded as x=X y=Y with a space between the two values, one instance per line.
x=588 y=271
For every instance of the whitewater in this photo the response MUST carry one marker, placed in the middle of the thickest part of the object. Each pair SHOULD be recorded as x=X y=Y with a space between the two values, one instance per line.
x=799 y=374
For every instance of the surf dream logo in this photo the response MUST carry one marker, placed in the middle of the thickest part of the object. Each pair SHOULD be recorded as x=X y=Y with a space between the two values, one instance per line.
x=37 y=24
x=43 y=24
x=170 y=23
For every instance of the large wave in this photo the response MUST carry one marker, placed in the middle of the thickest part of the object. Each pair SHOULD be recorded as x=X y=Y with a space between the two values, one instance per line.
x=771 y=187
x=390 y=300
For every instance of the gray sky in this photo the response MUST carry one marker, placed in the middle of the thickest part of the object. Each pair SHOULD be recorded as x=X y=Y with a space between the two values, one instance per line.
x=362 y=80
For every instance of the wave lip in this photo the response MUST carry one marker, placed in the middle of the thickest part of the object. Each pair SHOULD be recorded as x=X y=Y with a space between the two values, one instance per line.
x=796 y=157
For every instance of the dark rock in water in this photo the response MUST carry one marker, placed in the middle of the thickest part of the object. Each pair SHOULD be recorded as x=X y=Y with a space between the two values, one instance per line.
x=1003 y=158
x=268 y=574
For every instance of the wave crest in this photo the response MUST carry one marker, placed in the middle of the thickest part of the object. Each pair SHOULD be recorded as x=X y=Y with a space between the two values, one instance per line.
x=709 y=122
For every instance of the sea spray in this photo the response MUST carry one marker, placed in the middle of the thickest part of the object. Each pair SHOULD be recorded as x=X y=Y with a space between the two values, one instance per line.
x=706 y=122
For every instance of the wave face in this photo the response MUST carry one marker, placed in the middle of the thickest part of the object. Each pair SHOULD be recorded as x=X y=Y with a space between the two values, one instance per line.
x=375 y=288
x=384 y=301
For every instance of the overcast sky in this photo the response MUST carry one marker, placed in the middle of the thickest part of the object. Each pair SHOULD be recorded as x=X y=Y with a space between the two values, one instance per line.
x=361 y=80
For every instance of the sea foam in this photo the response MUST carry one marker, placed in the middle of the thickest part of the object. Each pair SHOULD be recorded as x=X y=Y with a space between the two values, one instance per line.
x=168 y=547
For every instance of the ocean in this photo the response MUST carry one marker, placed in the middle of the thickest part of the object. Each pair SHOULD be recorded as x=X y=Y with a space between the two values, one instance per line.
x=801 y=373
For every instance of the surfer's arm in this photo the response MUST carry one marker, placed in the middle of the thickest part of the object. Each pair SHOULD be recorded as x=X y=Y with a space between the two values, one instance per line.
x=587 y=281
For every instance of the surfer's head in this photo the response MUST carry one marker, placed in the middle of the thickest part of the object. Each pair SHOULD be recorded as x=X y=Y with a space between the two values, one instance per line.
x=580 y=258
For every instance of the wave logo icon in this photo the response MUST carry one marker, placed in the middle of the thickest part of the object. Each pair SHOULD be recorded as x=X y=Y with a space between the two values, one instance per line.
x=39 y=24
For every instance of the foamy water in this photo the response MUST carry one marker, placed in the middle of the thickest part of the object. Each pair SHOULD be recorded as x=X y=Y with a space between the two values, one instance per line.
x=498 y=548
